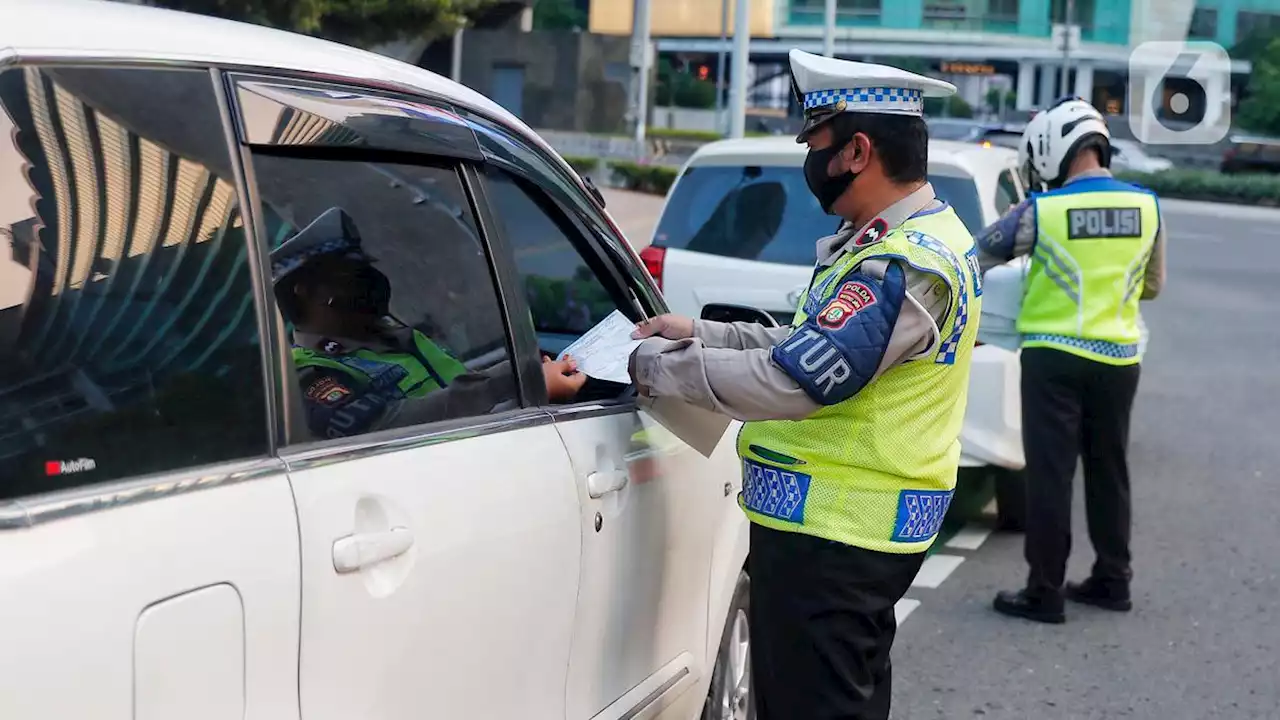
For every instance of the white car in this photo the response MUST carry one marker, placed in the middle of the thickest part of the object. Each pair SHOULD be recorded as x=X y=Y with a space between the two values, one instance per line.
x=739 y=226
x=1130 y=155
x=179 y=540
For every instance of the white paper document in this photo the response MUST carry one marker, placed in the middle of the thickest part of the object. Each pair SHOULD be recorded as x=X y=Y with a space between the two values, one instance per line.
x=604 y=351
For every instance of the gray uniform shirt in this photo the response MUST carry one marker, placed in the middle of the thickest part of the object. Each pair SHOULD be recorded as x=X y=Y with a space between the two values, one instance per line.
x=1014 y=235
x=728 y=367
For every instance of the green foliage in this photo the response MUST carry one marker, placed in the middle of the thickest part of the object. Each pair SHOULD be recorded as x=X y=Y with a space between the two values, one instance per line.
x=676 y=88
x=954 y=106
x=677 y=134
x=355 y=22
x=582 y=164
x=1260 y=110
x=653 y=179
x=558 y=15
x=993 y=99
x=1248 y=189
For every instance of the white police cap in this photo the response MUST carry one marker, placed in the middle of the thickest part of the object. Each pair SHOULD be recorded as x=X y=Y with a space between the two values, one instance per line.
x=333 y=232
x=826 y=87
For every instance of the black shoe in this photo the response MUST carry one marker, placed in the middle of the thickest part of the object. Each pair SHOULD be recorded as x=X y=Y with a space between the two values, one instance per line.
x=1099 y=594
x=1040 y=608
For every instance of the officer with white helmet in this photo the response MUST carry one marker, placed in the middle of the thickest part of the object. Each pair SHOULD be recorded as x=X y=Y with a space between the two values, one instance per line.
x=853 y=412
x=1097 y=248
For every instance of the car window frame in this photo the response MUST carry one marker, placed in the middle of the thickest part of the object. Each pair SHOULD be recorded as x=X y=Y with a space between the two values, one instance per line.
x=1017 y=189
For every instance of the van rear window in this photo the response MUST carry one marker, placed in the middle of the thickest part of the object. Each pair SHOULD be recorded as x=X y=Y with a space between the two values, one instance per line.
x=767 y=213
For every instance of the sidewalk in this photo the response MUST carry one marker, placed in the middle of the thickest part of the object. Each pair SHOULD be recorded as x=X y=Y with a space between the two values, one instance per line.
x=636 y=213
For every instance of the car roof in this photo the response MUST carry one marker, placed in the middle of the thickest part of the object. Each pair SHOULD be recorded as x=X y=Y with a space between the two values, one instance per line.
x=968 y=157
x=69 y=30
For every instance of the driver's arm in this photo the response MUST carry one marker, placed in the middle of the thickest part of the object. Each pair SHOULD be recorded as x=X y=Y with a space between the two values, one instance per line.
x=1013 y=235
x=336 y=407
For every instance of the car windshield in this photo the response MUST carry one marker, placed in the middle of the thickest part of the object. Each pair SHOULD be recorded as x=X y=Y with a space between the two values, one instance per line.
x=951 y=130
x=1003 y=138
x=768 y=213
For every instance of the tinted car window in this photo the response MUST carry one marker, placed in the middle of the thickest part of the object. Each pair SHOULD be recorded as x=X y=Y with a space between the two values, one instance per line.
x=127 y=324
x=565 y=296
x=386 y=291
x=767 y=213
x=1006 y=191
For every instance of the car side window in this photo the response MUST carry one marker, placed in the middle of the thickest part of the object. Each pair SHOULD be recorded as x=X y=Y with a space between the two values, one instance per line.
x=127 y=325
x=560 y=275
x=386 y=291
x=1007 y=193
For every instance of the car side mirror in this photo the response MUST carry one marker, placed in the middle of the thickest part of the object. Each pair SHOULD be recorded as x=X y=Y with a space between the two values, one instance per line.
x=737 y=313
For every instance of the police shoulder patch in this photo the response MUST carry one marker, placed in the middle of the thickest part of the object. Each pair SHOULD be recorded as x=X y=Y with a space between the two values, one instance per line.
x=850 y=299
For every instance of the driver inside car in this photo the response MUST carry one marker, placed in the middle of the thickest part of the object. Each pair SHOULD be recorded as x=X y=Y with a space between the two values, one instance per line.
x=360 y=369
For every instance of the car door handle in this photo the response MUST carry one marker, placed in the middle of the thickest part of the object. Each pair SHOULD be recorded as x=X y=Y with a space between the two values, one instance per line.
x=603 y=482
x=355 y=552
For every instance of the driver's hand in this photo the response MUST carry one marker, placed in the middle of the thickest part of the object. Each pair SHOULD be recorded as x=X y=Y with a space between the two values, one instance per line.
x=671 y=327
x=562 y=378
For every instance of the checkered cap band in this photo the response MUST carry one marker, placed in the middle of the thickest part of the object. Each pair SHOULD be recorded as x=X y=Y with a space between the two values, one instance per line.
x=285 y=265
x=875 y=99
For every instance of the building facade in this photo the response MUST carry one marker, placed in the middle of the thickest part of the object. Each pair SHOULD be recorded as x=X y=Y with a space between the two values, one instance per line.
x=978 y=44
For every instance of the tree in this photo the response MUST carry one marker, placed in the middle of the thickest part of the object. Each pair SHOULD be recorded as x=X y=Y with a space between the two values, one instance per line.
x=355 y=22
x=678 y=88
x=558 y=15
x=1260 y=111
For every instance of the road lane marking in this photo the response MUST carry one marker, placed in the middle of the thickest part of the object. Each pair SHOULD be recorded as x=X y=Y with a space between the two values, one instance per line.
x=903 y=608
x=935 y=570
x=970 y=537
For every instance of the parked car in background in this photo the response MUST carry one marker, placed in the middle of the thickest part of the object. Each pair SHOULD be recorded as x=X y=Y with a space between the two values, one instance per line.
x=975 y=131
x=739 y=227
x=1132 y=156
x=1251 y=154
x=178 y=540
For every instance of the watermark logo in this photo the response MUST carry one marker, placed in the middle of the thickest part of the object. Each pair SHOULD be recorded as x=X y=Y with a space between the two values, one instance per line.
x=1179 y=93
x=69 y=467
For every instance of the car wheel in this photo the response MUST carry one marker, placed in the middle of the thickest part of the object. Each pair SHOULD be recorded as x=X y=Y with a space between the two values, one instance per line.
x=730 y=694
x=1011 y=499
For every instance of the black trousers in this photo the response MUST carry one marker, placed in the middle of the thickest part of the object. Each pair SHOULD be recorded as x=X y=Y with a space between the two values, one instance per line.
x=822 y=626
x=1073 y=407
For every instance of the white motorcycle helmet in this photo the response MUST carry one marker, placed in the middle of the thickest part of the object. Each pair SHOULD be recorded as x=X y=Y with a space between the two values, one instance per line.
x=1054 y=137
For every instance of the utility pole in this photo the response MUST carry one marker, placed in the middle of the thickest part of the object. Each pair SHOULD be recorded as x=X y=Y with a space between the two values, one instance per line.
x=640 y=62
x=738 y=80
x=1066 y=46
x=724 y=52
x=456 y=64
x=829 y=29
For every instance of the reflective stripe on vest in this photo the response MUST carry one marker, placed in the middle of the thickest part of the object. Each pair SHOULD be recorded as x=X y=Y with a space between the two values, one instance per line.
x=1086 y=274
x=414 y=374
x=876 y=471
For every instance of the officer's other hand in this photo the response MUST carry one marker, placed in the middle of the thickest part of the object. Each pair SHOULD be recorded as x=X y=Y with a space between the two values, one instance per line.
x=562 y=378
x=671 y=327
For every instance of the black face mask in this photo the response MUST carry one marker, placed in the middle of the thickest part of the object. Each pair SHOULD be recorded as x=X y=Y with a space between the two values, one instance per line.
x=824 y=187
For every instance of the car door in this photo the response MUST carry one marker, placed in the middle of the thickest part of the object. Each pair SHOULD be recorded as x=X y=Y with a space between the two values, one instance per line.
x=148 y=540
x=649 y=503
x=439 y=551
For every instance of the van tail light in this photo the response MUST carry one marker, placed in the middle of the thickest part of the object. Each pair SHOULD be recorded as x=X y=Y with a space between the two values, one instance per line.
x=654 y=258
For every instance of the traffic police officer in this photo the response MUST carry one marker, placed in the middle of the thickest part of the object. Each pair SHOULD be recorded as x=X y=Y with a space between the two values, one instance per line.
x=853 y=413
x=360 y=369
x=1097 y=248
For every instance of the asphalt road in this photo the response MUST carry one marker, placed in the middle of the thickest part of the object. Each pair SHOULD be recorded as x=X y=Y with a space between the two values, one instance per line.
x=1204 y=638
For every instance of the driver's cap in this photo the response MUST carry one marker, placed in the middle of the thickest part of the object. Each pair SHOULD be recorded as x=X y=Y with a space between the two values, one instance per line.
x=332 y=233
x=825 y=87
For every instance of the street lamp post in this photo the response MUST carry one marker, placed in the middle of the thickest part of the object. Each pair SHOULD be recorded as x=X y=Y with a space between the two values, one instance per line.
x=738 y=79
x=829 y=29
x=1066 y=46
x=640 y=61
x=724 y=51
